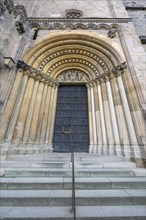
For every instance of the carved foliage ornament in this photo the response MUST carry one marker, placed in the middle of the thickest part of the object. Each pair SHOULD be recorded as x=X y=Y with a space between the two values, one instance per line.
x=72 y=76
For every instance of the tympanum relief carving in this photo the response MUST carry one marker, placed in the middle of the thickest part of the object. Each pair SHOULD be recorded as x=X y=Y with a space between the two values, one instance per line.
x=71 y=76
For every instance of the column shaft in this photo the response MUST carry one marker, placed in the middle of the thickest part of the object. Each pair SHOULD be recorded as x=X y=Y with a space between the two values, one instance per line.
x=30 y=112
x=16 y=109
x=52 y=122
x=128 y=118
x=50 y=115
x=24 y=109
x=90 y=120
x=35 y=116
x=104 y=138
x=134 y=106
x=123 y=131
x=113 y=115
x=9 y=107
x=40 y=117
x=98 y=121
x=94 y=122
x=45 y=115
x=114 y=120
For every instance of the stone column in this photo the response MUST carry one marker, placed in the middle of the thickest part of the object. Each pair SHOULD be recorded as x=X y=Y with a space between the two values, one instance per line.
x=24 y=109
x=9 y=107
x=30 y=112
x=45 y=115
x=16 y=108
x=40 y=118
x=136 y=111
x=123 y=131
x=104 y=136
x=35 y=116
x=114 y=120
x=90 y=120
x=52 y=122
x=49 y=116
x=98 y=121
x=130 y=126
x=94 y=122
x=108 y=123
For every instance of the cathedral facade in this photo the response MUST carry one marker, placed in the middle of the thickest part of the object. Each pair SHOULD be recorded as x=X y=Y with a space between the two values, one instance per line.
x=73 y=67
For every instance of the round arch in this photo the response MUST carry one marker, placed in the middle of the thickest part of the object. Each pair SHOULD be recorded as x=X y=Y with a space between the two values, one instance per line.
x=96 y=54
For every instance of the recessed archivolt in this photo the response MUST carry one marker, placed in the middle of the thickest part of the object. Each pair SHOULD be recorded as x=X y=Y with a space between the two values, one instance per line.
x=74 y=49
x=76 y=63
x=44 y=59
x=71 y=59
x=91 y=47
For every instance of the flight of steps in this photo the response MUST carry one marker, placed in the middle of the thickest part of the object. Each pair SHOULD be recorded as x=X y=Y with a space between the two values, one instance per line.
x=38 y=187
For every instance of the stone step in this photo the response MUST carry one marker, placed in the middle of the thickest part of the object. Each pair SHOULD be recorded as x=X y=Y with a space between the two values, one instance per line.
x=109 y=197
x=26 y=164
x=67 y=172
x=66 y=183
x=82 y=213
x=55 y=164
x=66 y=156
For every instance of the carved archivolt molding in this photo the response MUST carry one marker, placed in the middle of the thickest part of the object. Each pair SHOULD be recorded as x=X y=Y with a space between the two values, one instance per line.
x=72 y=76
x=61 y=51
x=74 y=51
x=52 y=47
x=66 y=61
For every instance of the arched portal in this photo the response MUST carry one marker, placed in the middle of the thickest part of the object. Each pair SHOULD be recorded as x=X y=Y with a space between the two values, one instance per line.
x=72 y=58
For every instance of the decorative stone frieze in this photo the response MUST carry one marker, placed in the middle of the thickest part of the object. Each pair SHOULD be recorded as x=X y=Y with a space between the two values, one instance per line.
x=83 y=23
x=36 y=74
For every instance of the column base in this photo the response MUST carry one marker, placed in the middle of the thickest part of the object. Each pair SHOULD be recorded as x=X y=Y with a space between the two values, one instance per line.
x=137 y=161
x=50 y=147
x=100 y=149
x=119 y=150
x=105 y=149
x=136 y=150
x=127 y=151
x=95 y=149
x=91 y=147
x=112 y=151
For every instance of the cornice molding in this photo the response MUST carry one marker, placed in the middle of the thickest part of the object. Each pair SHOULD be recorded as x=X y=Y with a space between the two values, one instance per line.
x=73 y=24
x=77 y=20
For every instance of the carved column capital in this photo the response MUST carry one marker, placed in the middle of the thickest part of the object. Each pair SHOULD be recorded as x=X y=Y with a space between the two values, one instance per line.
x=36 y=74
x=119 y=69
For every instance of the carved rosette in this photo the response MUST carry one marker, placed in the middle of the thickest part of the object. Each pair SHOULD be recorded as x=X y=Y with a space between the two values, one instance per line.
x=71 y=76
